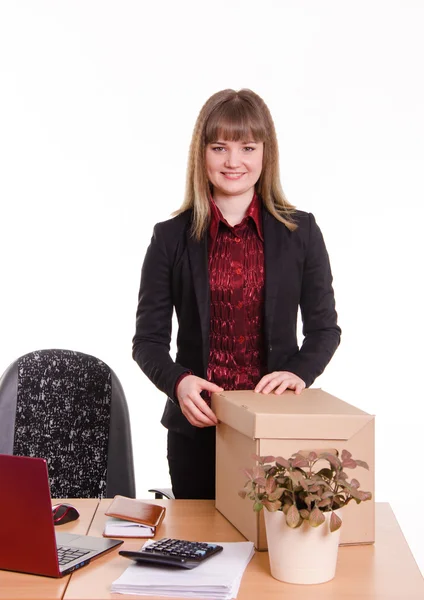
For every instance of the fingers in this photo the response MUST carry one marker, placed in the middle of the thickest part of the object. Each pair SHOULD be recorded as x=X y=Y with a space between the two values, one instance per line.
x=211 y=387
x=279 y=381
x=263 y=382
x=198 y=413
x=193 y=407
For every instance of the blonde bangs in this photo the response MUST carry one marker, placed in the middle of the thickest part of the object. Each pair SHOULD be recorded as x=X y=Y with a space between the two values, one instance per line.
x=235 y=121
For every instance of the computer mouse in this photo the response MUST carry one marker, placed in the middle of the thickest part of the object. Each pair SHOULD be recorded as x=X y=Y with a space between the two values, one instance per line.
x=64 y=513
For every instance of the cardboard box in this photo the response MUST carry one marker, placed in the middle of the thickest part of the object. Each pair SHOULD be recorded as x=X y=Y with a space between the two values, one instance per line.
x=261 y=424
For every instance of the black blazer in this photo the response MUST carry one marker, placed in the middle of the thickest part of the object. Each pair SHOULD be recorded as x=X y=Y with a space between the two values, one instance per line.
x=175 y=274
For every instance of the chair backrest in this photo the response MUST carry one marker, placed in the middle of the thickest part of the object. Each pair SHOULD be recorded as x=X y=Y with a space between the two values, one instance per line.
x=69 y=408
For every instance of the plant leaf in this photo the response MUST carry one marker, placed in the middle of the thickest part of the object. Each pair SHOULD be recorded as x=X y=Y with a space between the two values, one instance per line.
x=345 y=455
x=351 y=490
x=292 y=516
x=363 y=496
x=316 y=517
x=304 y=513
x=311 y=498
x=258 y=471
x=242 y=494
x=304 y=484
x=313 y=488
x=260 y=481
x=354 y=483
x=335 y=522
x=325 y=502
x=319 y=481
x=282 y=461
x=272 y=506
x=283 y=480
x=270 y=485
x=248 y=473
x=296 y=476
x=312 y=456
x=339 y=501
x=363 y=464
x=287 y=505
x=299 y=460
x=258 y=506
x=349 y=463
x=267 y=459
x=276 y=494
x=332 y=459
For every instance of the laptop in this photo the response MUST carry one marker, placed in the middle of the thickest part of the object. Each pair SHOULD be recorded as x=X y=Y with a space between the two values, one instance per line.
x=28 y=540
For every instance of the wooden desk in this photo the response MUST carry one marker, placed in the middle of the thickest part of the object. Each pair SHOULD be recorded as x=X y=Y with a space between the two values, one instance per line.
x=20 y=586
x=384 y=571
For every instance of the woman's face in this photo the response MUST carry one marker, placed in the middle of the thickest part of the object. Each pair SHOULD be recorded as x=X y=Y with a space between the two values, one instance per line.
x=233 y=168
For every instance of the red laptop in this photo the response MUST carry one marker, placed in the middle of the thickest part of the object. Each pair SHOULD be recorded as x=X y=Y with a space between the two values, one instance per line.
x=28 y=541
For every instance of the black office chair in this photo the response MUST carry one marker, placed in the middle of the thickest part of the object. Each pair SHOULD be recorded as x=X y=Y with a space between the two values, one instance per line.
x=69 y=408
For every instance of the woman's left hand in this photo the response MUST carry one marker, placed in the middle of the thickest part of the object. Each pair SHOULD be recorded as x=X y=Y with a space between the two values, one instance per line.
x=280 y=381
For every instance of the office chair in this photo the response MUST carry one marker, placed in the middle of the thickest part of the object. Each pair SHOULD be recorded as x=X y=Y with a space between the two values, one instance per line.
x=163 y=493
x=69 y=408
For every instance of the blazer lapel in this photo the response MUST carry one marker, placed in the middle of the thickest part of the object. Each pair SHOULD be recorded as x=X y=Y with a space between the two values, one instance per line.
x=198 y=257
x=276 y=236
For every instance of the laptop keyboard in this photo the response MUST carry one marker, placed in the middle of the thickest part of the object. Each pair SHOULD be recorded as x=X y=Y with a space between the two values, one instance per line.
x=67 y=554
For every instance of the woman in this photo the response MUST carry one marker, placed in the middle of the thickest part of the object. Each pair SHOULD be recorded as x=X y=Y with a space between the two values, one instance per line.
x=236 y=263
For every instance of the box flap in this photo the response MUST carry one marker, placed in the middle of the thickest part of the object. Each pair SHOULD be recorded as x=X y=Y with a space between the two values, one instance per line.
x=314 y=414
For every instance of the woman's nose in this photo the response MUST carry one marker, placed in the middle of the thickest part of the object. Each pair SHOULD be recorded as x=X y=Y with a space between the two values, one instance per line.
x=232 y=160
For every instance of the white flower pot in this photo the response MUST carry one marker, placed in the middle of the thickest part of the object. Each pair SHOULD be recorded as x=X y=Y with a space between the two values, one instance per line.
x=303 y=555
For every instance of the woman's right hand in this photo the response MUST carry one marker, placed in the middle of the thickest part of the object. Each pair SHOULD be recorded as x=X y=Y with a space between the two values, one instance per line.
x=194 y=408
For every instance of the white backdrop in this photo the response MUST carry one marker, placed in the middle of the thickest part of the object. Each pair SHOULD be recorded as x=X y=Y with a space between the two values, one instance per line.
x=97 y=104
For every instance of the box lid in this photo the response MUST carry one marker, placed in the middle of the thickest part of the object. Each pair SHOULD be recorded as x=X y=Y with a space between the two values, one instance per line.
x=314 y=414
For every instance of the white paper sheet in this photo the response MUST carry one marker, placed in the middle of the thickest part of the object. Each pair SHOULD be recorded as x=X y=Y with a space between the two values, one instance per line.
x=218 y=577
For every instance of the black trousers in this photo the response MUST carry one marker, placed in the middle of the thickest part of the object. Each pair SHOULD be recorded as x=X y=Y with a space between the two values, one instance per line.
x=192 y=464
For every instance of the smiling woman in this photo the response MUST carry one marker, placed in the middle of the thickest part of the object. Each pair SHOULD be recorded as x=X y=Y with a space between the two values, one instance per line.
x=236 y=262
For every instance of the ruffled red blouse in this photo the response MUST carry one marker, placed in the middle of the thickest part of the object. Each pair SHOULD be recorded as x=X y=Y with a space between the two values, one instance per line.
x=236 y=277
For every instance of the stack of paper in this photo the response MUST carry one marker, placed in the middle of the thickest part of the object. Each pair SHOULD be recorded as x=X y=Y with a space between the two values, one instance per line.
x=218 y=577
x=119 y=528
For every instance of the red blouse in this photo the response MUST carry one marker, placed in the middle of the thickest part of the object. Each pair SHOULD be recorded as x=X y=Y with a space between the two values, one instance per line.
x=236 y=277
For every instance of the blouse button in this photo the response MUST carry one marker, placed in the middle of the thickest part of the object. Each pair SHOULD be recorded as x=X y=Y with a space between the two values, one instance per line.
x=237 y=240
x=241 y=339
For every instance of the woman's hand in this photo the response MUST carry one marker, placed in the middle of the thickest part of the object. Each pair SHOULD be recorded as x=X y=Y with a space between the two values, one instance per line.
x=280 y=381
x=194 y=408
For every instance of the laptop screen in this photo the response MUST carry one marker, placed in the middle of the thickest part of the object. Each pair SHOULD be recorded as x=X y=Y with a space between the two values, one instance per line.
x=27 y=533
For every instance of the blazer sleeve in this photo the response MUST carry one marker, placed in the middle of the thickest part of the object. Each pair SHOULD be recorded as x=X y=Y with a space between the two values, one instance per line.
x=152 y=339
x=319 y=316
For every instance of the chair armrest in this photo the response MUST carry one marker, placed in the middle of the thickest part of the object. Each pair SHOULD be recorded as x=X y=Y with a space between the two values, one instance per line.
x=163 y=493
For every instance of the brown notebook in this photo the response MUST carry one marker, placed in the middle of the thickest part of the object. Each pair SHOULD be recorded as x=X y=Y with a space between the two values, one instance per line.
x=137 y=511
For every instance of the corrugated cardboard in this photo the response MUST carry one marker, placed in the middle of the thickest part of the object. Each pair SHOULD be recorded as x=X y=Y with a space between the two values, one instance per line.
x=251 y=423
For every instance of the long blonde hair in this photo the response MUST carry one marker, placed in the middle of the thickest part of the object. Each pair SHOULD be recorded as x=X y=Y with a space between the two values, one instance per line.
x=234 y=116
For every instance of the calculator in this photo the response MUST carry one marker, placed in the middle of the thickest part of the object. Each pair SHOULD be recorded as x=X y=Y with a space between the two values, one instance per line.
x=175 y=553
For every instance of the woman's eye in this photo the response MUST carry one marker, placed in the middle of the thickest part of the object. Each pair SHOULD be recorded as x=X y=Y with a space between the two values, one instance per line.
x=248 y=148
x=218 y=148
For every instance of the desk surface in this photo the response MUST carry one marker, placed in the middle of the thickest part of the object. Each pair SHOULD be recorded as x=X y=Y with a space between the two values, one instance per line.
x=384 y=571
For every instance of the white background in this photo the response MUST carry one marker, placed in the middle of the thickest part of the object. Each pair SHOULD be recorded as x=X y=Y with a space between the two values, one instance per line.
x=97 y=104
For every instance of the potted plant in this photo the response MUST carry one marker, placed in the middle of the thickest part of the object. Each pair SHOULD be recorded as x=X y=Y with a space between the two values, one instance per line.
x=304 y=497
